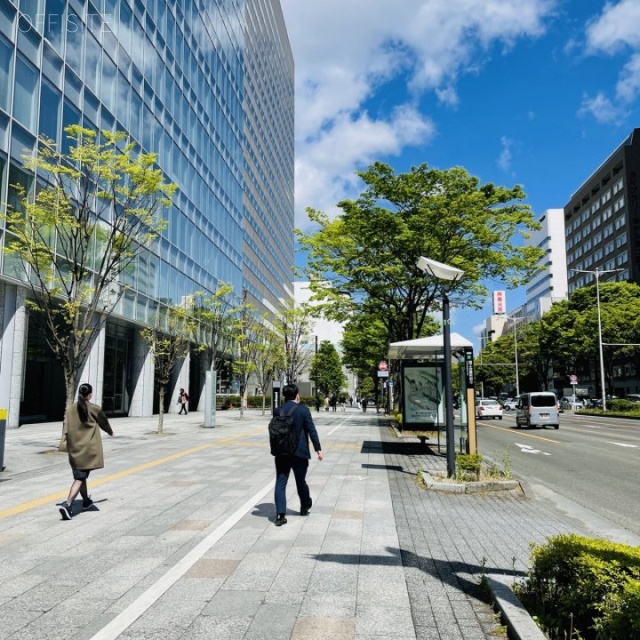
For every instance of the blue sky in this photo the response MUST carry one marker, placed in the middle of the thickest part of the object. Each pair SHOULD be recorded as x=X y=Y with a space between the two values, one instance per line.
x=531 y=92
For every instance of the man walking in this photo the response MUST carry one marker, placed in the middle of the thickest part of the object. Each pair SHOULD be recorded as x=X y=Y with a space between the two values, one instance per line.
x=299 y=460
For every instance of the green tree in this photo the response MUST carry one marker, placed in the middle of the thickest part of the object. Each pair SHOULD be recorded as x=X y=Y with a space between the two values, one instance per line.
x=96 y=212
x=328 y=368
x=246 y=348
x=495 y=364
x=571 y=328
x=169 y=343
x=371 y=248
x=218 y=316
x=293 y=322
x=270 y=357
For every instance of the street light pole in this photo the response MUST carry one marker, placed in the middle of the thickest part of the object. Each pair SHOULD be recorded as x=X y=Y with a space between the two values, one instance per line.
x=316 y=370
x=448 y=274
x=597 y=273
x=515 y=349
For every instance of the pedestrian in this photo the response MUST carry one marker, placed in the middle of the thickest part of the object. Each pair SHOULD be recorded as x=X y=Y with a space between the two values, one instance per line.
x=299 y=460
x=183 y=398
x=317 y=403
x=364 y=403
x=326 y=403
x=333 y=402
x=84 y=446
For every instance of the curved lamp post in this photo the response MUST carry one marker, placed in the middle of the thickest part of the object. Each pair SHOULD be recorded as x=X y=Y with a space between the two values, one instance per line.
x=447 y=275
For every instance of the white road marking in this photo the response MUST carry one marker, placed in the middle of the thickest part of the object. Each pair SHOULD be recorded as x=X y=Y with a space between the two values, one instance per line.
x=525 y=448
x=338 y=426
x=624 y=444
x=127 y=617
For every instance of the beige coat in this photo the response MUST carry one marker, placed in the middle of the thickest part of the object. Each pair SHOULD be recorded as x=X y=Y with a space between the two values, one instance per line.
x=84 y=442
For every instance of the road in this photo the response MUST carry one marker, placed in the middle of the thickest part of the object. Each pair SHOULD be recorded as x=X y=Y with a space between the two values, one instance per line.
x=591 y=461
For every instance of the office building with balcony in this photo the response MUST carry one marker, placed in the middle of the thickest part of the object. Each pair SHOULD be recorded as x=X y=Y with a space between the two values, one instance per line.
x=549 y=285
x=602 y=229
x=210 y=89
x=602 y=220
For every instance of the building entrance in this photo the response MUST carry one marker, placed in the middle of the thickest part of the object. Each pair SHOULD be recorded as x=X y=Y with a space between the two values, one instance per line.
x=116 y=389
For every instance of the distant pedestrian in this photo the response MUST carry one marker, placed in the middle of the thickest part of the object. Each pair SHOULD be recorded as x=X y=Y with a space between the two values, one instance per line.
x=183 y=399
x=84 y=446
x=364 y=404
x=333 y=402
x=326 y=403
x=317 y=403
x=299 y=461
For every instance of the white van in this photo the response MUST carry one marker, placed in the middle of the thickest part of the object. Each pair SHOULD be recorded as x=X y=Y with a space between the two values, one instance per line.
x=538 y=409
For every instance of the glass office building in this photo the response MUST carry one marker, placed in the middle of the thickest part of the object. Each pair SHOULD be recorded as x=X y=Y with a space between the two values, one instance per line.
x=206 y=86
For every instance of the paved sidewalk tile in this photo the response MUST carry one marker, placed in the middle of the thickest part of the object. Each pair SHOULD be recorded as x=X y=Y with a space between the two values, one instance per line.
x=181 y=543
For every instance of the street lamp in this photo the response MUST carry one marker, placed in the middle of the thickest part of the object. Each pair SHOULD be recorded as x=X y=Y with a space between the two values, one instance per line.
x=449 y=275
x=597 y=273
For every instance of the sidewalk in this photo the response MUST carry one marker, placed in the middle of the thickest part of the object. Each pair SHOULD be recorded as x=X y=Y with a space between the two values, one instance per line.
x=184 y=546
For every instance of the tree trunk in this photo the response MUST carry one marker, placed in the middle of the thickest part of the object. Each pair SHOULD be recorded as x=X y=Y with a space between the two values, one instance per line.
x=161 y=409
x=70 y=388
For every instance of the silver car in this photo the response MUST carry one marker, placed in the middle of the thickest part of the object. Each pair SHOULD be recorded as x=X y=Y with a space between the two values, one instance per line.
x=488 y=409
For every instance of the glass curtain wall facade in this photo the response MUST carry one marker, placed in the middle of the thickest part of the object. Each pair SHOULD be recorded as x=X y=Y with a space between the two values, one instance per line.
x=269 y=157
x=206 y=86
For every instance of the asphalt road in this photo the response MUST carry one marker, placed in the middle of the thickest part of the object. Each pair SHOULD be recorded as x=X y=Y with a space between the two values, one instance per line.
x=591 y=461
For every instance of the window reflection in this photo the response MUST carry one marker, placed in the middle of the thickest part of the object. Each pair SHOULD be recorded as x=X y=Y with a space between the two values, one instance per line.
x=50 y=100
x=24 y=99
x=6 y=55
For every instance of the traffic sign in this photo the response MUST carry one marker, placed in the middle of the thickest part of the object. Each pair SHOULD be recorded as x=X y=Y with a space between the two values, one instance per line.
x=573 y=379
x=383 y=366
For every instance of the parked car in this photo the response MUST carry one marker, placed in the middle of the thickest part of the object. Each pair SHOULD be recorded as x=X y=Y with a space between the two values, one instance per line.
x=510 y=404
x=571 y=403
x=633 y=397
x=486 y=408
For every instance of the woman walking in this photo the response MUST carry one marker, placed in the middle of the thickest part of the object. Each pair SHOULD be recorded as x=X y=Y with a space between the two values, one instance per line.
x=183 y=398
x=84 y=446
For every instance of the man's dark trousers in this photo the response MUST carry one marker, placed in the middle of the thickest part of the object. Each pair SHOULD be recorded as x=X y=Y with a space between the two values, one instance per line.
x=284 y=464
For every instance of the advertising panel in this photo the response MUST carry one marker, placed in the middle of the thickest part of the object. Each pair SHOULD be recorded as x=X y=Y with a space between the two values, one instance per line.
x=423 y=395
x=499 y=302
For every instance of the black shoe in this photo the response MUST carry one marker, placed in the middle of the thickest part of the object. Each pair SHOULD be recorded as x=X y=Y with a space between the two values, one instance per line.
x=304 y=511
x=65 y=511
x=87 y=504
x=280 y=520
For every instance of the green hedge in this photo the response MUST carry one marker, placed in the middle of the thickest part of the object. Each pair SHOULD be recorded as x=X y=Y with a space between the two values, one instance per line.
x=584 y=586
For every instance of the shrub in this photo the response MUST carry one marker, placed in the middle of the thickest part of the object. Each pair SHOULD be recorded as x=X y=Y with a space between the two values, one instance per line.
x=591 y=586
x=622 y=405
x=468 y=464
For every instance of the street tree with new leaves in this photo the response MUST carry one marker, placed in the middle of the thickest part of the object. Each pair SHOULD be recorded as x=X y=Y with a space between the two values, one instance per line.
x=169 y=343
x=270 y=357
x=370 y=249
x=293 y=322
x=327 y=368
x=96 y=210
x=218 y=317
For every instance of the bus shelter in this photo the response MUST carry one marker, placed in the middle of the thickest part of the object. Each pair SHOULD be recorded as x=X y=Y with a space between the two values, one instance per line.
x=417 y=378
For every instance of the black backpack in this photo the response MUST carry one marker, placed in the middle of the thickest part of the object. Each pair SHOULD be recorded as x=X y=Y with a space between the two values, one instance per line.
x=282 y=433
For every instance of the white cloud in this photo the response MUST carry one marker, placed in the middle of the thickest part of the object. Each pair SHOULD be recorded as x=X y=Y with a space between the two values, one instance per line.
x=628 y=85
x=615 y=31
x=601 y=108
x=347 y=53
x=504 y=159
x=616 y=27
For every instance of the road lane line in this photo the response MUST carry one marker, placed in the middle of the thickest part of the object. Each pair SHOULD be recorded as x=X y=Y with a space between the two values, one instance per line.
x=127 y=617
x=522 y=433
x=98 y=482
x=338 y=426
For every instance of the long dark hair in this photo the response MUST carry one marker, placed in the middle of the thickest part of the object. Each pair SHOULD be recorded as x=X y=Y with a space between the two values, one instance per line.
x=83 y=393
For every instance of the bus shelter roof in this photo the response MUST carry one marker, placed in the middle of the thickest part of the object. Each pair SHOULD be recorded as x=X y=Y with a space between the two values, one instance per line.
x=424 y=347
